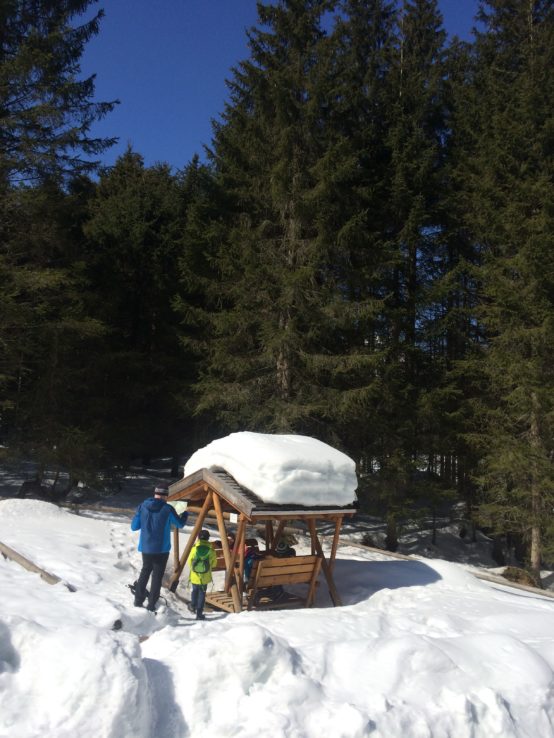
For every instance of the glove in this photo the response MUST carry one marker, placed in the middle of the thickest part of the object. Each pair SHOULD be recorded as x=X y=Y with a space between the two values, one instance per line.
x=183 y=517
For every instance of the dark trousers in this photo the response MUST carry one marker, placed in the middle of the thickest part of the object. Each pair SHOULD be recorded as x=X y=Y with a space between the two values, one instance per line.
x=198 y=597
x=151 y=564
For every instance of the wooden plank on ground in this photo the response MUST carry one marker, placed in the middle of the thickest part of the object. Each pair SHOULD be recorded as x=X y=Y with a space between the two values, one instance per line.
x=13 y=555
x=221 y=600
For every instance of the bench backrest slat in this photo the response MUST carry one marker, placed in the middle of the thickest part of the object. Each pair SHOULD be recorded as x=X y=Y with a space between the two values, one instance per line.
x=272 y=570
x=269 y=580
x=288 y=570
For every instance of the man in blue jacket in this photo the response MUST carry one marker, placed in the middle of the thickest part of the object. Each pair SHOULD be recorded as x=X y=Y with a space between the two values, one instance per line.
x=154 y=518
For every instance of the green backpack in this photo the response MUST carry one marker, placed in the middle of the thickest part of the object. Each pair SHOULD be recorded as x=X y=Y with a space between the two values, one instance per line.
x=201 y=561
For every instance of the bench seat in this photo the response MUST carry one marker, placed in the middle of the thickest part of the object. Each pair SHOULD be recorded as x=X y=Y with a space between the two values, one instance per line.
x=274 y=571
x=270 y=572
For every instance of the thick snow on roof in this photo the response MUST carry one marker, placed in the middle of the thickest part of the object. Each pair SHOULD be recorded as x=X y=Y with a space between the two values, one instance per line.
x=282 y=468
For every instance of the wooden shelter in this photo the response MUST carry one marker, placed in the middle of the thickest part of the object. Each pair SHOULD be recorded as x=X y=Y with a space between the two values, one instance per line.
x=216 y=493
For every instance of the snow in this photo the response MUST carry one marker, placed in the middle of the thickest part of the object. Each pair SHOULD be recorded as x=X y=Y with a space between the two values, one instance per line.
x=282 y=468
x=420 y=649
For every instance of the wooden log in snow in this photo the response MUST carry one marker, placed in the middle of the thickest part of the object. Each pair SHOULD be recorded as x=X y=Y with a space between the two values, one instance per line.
x=9 y=553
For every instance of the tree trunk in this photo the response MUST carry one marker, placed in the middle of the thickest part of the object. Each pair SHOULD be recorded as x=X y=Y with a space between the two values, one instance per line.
x=391 y=540
x=535 y=548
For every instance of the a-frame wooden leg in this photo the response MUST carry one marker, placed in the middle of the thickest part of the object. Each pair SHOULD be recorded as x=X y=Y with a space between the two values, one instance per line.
x=174 y=581
x=226 y=552
x=335 y=597
x=175 y=548
x=338 y=526
x=313 y=582
x=232 y=577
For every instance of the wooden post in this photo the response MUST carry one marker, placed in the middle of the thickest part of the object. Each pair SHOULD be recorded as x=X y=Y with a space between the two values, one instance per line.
x=226 y=553
x=233 y=557
x=338 y=525
x=279 y=530
x=235 y=587
x=268 y=535
x=311 y=591
x=221 y=529
x=313 y=534
x=174 y=581
x=175 y=548
x=328 y=574
x=242 y=544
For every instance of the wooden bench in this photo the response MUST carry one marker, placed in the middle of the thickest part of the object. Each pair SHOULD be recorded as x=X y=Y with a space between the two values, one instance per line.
x=272 y=571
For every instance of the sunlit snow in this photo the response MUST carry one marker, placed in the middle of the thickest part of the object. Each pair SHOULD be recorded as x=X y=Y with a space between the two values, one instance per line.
x=420 y=649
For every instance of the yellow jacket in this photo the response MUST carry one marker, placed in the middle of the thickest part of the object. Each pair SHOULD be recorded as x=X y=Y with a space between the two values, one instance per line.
x=206 y=577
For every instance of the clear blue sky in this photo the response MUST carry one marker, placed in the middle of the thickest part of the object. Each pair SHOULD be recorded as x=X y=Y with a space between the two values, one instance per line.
x=167 y=61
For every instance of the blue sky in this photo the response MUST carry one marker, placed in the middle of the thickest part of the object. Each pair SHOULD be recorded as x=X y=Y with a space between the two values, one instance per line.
x=167 y=61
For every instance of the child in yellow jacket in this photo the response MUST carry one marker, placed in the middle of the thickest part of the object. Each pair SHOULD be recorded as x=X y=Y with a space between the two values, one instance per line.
x=202 y=559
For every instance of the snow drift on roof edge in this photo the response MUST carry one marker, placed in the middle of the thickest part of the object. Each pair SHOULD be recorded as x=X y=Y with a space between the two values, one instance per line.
x=282 y=468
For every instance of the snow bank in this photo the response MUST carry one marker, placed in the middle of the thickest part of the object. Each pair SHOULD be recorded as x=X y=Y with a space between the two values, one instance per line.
x=282 y=468
x=245 y=680
x=49 y=689
x=421 y=650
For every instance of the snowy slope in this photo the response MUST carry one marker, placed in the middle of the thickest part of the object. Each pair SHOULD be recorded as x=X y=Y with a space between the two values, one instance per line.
x=421 y=649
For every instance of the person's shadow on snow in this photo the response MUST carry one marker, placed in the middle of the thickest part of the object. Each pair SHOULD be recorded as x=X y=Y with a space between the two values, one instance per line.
x=358 y=580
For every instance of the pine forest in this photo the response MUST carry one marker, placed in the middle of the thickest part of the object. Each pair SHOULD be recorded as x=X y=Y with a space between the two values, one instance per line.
x=364 y=255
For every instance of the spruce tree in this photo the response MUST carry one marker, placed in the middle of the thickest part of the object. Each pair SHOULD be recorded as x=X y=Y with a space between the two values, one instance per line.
x=267 y=304
x=351 y=199
x=509 y=183
x=48 y=334
x=133 y=232
x=46 y=111
x=406 y=428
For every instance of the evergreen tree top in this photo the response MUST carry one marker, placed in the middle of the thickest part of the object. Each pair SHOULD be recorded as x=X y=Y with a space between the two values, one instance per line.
x=47 y=111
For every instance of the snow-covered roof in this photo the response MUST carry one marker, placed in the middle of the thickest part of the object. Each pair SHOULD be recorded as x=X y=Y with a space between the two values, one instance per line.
x=282 y=469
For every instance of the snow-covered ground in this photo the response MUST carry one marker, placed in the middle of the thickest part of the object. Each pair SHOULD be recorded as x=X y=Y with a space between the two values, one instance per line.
x=420 y=649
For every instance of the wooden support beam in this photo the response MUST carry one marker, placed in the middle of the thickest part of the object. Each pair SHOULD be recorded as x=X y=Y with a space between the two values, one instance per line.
x=338 y=525
x=335 y=597
x=175 y=548
x=313 y=534
x=221 y=529
x=279 y=531
x=231 y=567
x=226 y=552
x=313 y=584
x=268 y=535
x=261 y=517
x=235 y=587
x=174 y=581
x=242 y=546
x=210 y=514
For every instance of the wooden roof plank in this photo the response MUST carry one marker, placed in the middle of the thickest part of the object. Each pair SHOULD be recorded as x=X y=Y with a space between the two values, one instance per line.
x=245 y=501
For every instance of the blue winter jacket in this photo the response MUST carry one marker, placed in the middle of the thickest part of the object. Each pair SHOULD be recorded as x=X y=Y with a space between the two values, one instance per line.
x=154 y=518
